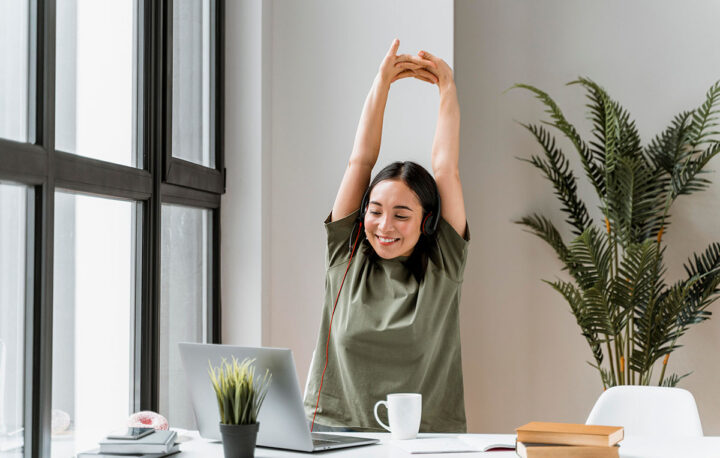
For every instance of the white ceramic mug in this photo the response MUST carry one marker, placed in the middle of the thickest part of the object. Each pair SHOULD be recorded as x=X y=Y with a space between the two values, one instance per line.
x=404 y=413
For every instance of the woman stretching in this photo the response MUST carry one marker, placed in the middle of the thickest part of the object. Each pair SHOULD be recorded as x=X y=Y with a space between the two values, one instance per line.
x=394 y=326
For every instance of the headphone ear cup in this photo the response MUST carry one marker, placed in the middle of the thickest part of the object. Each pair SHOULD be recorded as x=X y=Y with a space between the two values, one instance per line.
x=432 y=219
x=364 y=203
x=425 y=227
x=360 y=219
x=432 y=223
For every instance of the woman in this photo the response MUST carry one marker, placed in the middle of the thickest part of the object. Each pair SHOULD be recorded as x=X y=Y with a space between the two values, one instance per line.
x=398 y=248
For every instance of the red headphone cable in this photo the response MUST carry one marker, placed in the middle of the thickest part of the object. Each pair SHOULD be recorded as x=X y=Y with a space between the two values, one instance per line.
x=327 y=345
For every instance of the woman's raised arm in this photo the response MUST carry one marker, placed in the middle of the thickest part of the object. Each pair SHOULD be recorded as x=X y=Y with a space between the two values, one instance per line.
x=446 y=146
x=369 y=132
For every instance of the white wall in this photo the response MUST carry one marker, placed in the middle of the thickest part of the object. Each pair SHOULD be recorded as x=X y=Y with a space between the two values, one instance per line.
x=297 y=74
x=244 y=207
x=524 y=358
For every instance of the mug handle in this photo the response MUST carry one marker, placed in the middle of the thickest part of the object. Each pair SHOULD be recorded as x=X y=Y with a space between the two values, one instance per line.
x=377 y=404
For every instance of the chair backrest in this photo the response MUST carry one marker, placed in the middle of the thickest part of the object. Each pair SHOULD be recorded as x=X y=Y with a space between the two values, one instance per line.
x=648 y=411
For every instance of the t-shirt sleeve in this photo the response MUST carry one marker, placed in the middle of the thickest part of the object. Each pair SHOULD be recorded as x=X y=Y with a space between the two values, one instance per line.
x=452 y=250
x=338 y=234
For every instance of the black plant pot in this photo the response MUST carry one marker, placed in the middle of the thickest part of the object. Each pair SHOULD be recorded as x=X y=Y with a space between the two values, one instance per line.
x=239 y=440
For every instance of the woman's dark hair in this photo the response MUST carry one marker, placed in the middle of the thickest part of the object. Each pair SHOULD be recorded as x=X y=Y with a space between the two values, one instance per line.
x=423 y=185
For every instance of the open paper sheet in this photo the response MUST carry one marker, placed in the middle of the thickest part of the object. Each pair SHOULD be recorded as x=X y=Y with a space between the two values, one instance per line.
x=460 y=444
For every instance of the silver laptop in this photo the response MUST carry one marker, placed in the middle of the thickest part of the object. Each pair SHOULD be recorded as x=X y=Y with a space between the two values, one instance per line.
x=282 y=417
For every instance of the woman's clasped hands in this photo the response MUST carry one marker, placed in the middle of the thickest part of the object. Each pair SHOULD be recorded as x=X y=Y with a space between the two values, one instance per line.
x=423 y=66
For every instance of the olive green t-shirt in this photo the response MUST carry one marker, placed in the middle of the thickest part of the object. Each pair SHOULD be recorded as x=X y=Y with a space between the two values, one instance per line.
x=390 y=334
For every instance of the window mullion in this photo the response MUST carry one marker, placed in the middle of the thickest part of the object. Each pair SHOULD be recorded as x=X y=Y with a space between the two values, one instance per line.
x=39 y=368
x=153 y=141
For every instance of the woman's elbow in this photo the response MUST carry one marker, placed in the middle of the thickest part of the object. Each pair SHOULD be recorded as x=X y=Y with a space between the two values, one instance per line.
x=446 y=172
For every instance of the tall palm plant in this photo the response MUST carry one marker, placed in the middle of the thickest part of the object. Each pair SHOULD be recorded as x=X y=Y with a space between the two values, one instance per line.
x=630 y=316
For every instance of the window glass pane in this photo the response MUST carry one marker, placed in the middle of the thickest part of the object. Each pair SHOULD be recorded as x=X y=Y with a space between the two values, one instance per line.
x=14 y=58
x=184 y=301
x=13 y=297
x=96 y=57
x=94 y=293
x=192 y=75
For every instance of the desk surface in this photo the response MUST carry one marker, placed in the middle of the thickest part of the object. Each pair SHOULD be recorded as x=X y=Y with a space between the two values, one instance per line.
x=637 y=447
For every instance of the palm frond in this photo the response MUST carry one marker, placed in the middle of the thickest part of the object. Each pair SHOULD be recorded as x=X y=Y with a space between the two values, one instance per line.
x=556 y=169
x=637 y=283
x=670 y=146
x=591 y=256
x=605 y=124
x=656 y=329
x=706 y=290
x=672 y=380
x=705 y=117
x=615 y=132
x=635 y=202
x=587 y=325
x=686 y=177
x=546 y=230
x=599 y=312
x=634 y=284
x=605 y=375
x=594 y=171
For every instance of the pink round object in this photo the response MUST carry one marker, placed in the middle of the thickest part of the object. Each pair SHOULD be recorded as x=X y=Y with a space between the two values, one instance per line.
x=147 y=419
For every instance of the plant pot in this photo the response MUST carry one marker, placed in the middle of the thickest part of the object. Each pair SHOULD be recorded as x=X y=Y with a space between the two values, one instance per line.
x=239 y=440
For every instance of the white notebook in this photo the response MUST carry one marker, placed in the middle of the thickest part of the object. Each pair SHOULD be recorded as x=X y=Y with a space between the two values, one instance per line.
x=459 y=444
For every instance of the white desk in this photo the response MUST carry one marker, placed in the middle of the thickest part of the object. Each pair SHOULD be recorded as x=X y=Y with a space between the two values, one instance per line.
x=701 y=447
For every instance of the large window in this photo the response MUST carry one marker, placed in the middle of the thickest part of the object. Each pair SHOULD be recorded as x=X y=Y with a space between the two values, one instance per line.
x=185 y=296
x=14 y=81
x=94 y=291
x=192 y=81
x=111 y=171
x=95 y=79
x=14 y=236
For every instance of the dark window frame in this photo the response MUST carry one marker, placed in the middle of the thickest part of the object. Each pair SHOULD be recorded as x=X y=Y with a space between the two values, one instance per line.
x=179 y=171
x=162 y=179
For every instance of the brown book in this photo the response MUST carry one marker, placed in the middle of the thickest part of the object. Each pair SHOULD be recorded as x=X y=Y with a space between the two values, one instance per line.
x=529 y=450
x=569 y=434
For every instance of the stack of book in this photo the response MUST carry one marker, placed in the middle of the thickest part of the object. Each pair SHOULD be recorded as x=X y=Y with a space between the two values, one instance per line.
x=156 y=445
x=565 y=440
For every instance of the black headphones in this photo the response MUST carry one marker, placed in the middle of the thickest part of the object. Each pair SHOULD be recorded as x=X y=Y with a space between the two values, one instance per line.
x=428 y=227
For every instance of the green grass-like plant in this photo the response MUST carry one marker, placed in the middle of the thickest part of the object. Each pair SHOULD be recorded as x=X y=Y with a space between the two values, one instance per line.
x=239 y=394
x=629 y=315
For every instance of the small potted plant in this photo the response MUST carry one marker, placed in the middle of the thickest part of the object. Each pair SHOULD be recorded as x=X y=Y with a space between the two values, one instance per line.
x=239 y=396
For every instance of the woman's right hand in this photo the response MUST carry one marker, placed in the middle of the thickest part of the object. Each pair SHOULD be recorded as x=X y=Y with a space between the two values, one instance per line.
x=395 y=67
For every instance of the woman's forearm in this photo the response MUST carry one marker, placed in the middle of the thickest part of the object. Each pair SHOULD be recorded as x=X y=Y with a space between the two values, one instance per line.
x=369 y=132
x=446 y=145
x=365 y=151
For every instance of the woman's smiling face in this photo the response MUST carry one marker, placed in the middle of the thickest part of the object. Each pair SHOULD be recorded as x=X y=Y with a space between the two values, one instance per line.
x=392 y=220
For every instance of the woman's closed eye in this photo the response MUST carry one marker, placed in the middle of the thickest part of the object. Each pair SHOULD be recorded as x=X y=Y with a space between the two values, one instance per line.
x=401 y=217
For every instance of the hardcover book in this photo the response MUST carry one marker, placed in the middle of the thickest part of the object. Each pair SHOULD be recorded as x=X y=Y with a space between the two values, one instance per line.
x=157 y=442
x=96 y=453
x=530 y=450
x=569 y=434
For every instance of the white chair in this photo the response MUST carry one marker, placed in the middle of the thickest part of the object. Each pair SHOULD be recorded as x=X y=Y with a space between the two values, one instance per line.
x=648 y=411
